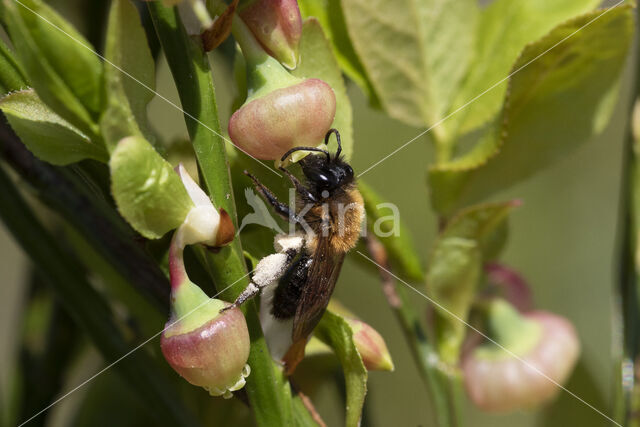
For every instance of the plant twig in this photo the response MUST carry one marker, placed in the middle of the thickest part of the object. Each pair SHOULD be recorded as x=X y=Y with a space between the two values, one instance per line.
x=443 y=387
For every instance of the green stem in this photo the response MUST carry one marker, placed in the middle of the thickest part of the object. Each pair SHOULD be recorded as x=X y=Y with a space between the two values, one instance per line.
x=444 y=387
x=88 y=309
x=266 y=387
x=251 y=50
x=627 y=389
x=264 y=73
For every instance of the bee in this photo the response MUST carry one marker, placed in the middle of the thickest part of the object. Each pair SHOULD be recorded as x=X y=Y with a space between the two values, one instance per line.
x=297 y=281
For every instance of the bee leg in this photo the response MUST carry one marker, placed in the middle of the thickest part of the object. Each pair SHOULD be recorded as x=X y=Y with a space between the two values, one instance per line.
x=279 y=207
x=301 y=189
x=268 y=270
x=249 y=292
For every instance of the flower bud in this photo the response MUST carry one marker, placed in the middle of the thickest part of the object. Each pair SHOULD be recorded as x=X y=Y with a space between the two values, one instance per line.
x=542 y=348
x=298 y=115
x=281 y=111
x=212 y=355
x=207 y=348
x=371 y=346
x=277 y=25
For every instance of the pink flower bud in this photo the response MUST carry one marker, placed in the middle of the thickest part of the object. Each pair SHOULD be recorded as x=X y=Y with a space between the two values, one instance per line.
x=299 y=115
x=208 y=348
x=277 y=25
x=546 y=347
x=212 y=355
x=371 y=346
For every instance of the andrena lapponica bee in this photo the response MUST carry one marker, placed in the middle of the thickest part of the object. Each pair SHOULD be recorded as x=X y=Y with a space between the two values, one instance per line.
x=297 y=281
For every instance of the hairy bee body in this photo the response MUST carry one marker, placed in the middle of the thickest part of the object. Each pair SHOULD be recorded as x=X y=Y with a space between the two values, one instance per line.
x=338 y=219
x=297 y=281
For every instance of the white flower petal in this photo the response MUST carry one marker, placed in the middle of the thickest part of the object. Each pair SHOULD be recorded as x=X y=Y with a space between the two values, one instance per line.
x=202 y=221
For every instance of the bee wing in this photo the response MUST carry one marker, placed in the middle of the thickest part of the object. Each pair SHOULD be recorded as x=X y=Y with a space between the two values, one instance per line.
x=322 y=277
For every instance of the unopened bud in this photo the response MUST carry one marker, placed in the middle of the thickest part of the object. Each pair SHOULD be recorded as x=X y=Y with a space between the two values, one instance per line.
x=371 y=346
x=277 y=25
x=541 y=351
x=297 y=115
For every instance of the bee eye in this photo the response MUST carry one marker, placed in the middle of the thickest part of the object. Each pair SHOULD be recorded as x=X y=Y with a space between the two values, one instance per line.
x=348 y=170
x=323 y=179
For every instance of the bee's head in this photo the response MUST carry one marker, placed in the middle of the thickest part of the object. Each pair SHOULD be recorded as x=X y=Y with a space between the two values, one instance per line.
x=325 y=173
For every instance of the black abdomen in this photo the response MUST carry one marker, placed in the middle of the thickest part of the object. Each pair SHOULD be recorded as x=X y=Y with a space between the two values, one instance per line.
x=289 y=290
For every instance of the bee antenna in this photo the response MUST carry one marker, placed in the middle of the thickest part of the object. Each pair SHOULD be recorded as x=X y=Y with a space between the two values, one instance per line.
x=328 y=135
x=293 y=150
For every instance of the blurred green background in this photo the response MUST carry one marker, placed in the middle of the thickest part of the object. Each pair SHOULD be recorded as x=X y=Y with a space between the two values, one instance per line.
x=563 y=240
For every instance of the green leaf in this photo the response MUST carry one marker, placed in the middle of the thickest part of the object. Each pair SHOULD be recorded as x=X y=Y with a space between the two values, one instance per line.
x=47 y=135
x=11 y=76
x=329 y=14
x=59 y=62
x=317 y=61
x=505 y=27
x=148 y=193
x=128 y=94
x=334 y=331
x=455 y=268
x=414 y=51
x=398 y=243
x=555 y=103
